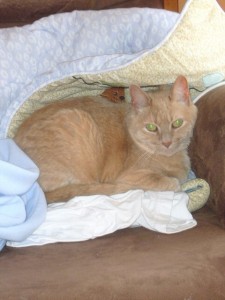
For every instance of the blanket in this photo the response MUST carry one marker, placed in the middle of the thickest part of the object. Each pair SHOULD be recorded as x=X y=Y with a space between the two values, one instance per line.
x=22 y=201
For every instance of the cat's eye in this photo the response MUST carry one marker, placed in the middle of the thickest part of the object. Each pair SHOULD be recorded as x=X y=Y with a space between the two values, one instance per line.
x=177 y=123
x=151 y=127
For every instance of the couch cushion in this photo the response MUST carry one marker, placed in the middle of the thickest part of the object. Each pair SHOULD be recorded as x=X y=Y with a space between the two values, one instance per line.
x=207 y=149
x=132 y=264
x=17 y=12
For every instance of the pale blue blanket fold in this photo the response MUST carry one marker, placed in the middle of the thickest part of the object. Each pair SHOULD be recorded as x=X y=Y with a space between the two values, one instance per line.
x=22 y=201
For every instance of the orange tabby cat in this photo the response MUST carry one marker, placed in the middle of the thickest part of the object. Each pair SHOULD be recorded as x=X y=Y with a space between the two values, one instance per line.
x=89 y=145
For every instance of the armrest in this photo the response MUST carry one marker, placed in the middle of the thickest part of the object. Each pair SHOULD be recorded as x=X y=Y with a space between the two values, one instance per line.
x=207 y=149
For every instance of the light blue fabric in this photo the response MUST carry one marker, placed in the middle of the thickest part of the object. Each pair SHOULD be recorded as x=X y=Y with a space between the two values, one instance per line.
x=22 y=202
x=73 y=43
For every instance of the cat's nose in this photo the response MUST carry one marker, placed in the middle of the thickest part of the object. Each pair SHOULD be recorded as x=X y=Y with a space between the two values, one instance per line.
x=167 y=143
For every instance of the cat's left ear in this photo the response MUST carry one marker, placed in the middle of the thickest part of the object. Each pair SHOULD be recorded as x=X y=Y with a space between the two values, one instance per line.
x=180 y=90
x=139 y=99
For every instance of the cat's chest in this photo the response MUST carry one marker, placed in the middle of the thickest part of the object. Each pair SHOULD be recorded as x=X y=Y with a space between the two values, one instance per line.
x=173 y=166
x=177 y=165
x=115 y=155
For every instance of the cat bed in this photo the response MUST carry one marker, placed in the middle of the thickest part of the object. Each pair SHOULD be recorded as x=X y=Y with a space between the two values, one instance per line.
x=82 y=53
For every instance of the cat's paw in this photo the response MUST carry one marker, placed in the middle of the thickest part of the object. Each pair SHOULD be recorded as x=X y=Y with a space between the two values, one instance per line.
x=172 y=184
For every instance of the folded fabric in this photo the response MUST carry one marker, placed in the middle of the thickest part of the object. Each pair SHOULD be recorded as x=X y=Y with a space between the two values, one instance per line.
x=22 y=202
x=12 y=211
x=84 y=218
x=166 y=212
x=17 y=170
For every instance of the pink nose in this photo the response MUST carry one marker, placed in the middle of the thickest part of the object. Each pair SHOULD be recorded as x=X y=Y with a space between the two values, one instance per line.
x=167 y=143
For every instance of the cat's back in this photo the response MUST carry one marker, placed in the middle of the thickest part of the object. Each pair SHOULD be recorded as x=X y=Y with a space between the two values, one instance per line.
x=101 y=110
x=79 y=121
x=97 y=109
x=76 y=136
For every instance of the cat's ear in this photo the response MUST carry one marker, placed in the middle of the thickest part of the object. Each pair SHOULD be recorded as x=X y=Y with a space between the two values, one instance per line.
x=180 y=90
x=138 y=97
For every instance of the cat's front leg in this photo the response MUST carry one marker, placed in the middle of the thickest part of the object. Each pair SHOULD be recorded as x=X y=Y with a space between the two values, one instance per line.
x=168 y=184
x=145 y=180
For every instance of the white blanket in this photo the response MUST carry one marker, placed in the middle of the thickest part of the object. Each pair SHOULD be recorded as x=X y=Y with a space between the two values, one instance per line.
x=84 y=218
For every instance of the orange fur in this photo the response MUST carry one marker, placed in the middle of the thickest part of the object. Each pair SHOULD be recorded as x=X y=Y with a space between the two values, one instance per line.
x=89 y=145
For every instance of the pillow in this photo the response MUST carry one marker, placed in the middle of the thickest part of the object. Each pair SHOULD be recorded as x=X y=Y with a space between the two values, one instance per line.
x=207 y=149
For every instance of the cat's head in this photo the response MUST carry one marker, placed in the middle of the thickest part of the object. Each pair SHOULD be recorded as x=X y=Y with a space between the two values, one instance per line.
x=162 y=122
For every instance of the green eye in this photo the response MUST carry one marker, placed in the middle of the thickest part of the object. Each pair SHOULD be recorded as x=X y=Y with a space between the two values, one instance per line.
x=177 y=123
x=151 y=127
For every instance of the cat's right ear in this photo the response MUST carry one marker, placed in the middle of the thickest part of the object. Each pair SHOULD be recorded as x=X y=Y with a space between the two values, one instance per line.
x=180 y=90
x=139 y=99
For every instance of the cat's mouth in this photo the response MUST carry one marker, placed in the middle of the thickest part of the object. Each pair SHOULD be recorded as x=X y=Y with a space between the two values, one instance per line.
x=167 y=151
x=169 y=148
x=172 y=149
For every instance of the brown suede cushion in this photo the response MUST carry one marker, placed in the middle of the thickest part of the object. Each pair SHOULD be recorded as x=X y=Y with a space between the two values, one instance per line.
x=20 y=12
x=207 y=149
x=131 y=264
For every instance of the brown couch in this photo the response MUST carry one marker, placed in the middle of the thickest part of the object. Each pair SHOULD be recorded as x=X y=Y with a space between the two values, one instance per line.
x=134 y=263
x=16 y=12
